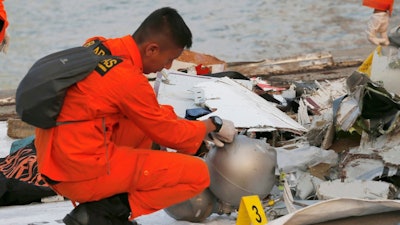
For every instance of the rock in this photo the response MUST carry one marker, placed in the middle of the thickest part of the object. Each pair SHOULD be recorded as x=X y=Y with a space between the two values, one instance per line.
x=18 y=129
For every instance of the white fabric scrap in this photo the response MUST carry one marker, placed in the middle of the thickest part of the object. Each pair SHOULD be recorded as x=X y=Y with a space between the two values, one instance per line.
x=302 y=158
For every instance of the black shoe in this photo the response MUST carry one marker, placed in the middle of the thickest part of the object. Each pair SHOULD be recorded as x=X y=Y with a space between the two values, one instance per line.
x=109 y=211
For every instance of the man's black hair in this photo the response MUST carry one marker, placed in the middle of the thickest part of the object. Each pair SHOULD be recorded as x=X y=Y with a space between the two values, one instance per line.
x=165 y=21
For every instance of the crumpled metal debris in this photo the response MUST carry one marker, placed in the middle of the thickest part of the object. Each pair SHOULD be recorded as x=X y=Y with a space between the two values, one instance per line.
x=355 y=104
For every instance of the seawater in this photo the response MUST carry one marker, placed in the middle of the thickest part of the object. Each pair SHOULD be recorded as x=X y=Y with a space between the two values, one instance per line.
x=246 y=30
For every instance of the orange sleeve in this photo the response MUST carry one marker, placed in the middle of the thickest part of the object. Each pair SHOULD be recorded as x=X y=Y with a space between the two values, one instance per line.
x=169 y=111
x=159 y=122
x=379 y=4
x=4 y=21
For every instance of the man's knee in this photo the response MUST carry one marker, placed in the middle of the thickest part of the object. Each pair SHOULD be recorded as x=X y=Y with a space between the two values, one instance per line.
x=203 y=175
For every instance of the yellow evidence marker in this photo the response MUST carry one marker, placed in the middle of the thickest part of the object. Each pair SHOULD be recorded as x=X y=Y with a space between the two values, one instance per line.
x=366 y=66
x=251 y=211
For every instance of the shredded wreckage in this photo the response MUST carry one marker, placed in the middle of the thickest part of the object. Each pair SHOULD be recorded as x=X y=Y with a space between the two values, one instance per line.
x=318 y=140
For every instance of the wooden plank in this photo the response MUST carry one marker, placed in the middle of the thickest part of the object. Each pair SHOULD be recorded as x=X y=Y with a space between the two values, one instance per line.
x=284 y=80
x=7 y=105
x=290 y=65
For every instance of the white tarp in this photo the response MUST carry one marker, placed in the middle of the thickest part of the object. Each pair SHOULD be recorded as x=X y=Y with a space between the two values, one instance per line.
x=230 y=99
x=382 y=72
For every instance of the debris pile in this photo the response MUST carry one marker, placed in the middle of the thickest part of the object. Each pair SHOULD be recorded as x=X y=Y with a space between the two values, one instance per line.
x=337 y=138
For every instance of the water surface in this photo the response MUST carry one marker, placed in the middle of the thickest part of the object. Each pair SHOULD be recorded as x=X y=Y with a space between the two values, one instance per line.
x=243 y=30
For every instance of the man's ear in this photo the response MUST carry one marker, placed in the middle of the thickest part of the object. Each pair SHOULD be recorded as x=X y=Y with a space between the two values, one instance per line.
x=152 y=49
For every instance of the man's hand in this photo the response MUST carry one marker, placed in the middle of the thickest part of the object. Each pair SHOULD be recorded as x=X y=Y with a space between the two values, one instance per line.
x=377 y=28
x=4 y=45
x=226 y=134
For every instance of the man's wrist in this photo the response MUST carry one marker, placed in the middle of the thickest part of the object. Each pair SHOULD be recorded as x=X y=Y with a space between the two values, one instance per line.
x=217 y=121
x=379 y=10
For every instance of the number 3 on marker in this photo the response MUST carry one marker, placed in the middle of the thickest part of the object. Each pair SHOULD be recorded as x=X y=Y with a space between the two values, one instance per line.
x=258 y=217
x=251 y=211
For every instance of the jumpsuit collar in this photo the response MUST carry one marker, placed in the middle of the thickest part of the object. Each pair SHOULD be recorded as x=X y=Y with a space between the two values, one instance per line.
x=133 y=51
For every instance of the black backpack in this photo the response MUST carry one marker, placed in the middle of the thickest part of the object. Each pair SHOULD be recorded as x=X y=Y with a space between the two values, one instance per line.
x=40 y=94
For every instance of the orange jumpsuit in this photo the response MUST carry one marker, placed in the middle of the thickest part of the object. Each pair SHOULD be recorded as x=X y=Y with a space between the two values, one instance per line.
x=380 y=4
x=108 y=150
x=3 y=20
